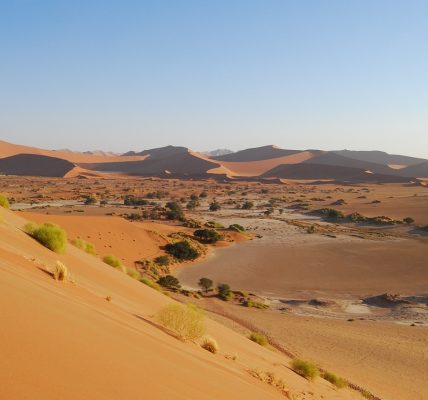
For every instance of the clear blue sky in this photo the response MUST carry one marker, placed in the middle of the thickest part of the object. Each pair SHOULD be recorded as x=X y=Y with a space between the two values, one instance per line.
x=121 y=75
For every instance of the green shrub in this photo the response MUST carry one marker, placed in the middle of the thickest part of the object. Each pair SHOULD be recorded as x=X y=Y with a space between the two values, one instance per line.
x=175 y=211
x=215 y=206
x=114 y=262
x=256 y=304
x=259 y=338
x=169 y=281
x=182 y=250
x=334 y=379
x=305 y=368
x=186 y=320
x=224 y=292
x=163 y=261
x=49 y=235
x=207 y=235
x=150 y=283
x=248 y=205
x=84 y=245
x=236 y=228
x=133 y=273
x=4 y=201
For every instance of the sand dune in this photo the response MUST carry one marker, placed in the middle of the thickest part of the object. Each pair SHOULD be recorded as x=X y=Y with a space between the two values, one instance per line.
x=65 y=341
x=35 y=165
x=256 y=154
x=9 y=149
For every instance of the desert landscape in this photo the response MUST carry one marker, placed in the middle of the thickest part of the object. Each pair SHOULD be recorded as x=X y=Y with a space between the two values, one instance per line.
x=214 y=200
x=331 y=271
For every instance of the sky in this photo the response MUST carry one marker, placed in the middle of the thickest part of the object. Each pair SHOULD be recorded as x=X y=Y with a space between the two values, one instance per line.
x=207 y=74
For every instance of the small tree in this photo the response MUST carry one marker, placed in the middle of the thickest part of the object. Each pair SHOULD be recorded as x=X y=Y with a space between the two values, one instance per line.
x=248 y=205
x=169 y=281
x=182 y=250
x=89 y=200
x=205 y=284
x=175 y=211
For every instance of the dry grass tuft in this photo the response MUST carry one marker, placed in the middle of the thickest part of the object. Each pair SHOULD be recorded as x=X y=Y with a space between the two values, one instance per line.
x=210 y=344
x=186 y=320
x=60 y=272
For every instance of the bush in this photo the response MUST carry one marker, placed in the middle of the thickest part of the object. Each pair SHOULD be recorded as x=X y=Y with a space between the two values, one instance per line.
x=259 y=338
x=236 y=228
x=248 y=205
x=215 y=206
x=150 y=283
x=210 y=344
x=408 y=220
x=85 y=246
x=186 y=320
x=134 y=201
x=256 y=304
x=133 y=273
x=334 y=379
x=163 y=261
x=169 y=281
x=207 y=235
x=113 y=261
x=49 y=235
x=205 y=284
x=175 y=211
x=60 y=272
x=89 y=200
x=182 y=250
x=224 y=292
x=4 y=201
x=305 y=369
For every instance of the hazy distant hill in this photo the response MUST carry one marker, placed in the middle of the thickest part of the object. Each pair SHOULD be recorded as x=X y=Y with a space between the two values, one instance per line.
x=380 y=157
x=218 y=152
x=256 y=154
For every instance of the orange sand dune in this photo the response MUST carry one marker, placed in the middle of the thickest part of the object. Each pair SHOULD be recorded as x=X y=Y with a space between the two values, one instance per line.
x=65 y=341
x=130 y=241
x=255 y=168
x=10 y=149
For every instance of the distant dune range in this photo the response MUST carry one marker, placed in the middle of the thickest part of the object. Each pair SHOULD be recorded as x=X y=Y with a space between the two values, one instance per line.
x=261 y=163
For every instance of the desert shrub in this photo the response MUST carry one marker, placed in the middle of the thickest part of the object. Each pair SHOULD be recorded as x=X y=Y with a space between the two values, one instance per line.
x=259 y=338
x=256 y=304
x=89 y=200
x=408 y=220
x=4 y=201
x=215 y=206
x=84 y=245
x=186 y=320
x=332 y=213
x=248 y=205
x=49 y=235
x=203 y=195
x=150 y=283
x=207 y=235
x=214 y=224
x=169 y=281
x=305 y=368
x=175 y=211
x=334 y=379
x=113 y=261
x=192 y=204
x=133 y=273
x=60 y=272
x=163 y=261
x=182 y=250
x=236 y=228
x=224 y=292
x=134 y=201
x=205 y=284
x=210 y=344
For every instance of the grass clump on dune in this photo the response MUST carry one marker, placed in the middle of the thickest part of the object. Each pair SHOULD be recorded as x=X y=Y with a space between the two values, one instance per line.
x=334 y=379
x=49 y=235
x=210 y=344
x=84 y=245
x=113 y=261
x=186 y=320
x=150 y=283
x=259 y=338
x=4 y=201
x=60 y=272
x=133 y=273
x=305 y=369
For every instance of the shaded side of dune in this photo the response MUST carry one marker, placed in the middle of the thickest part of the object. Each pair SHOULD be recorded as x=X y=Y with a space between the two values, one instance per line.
x=256 y=154
x=321 y=171
x=35 y=165
x=178 y=164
